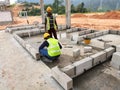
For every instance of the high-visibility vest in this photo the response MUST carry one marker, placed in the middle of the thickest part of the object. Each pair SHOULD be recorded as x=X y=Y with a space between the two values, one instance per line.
x=53 y=48
x=48 y=23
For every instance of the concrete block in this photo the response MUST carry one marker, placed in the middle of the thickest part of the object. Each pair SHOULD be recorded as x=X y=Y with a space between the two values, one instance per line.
x=118 y=48
x=83 y=65
x=80 y=38
x=97 y=34
x=116 y=60
x=99 y=57
x=76 y=53
x=113 y=31
x=107 y=45
x=64 y=80
x=87 y=49
x=74 y=29
x=69 y=70
x=69 y=30
x=109 y=51
x=92 y=35
x=118 y=32
x=63 y=27
x=105 y=32
x=87 y=31
x=81 y=33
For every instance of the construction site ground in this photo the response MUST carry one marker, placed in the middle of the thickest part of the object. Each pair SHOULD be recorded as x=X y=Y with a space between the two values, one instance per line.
x=19 y=71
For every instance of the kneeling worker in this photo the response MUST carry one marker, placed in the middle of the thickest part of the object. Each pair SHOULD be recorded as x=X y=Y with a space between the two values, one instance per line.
x=53 y=48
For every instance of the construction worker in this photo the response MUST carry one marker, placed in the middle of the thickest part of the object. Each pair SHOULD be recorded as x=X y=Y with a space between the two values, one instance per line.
x=50 y=48
x=50 y=23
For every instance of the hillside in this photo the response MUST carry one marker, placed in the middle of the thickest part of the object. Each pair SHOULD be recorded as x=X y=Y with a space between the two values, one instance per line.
x=92 y=4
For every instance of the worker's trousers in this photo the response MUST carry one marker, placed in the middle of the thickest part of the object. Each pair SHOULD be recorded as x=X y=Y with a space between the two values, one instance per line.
x=44 y=53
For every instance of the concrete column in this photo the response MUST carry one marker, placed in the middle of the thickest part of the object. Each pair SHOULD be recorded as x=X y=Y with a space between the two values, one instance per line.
x=68 y=14
x=42 y=11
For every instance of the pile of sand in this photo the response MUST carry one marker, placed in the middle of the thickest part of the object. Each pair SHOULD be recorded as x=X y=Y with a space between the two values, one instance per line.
x=108 y=15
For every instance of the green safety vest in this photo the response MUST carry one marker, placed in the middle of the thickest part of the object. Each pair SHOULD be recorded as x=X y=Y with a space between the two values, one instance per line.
x=48 y=23
x=53 y=48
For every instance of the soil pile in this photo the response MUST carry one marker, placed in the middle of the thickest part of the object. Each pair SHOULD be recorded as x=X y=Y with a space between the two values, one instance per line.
x=78 y=15
x=108 y=15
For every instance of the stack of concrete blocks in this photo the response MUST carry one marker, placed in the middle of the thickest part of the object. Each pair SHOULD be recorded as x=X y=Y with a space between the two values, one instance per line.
x=113 y=32
x=87 y=49
x=28 y=47
x=63 y=79
x=76 y=53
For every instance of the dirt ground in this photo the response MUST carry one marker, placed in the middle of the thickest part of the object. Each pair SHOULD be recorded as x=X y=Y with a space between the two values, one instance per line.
x=98 y=21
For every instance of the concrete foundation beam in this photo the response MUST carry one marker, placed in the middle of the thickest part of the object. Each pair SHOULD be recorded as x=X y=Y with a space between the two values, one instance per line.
x=64 y=80
x=81 y=33
x=97 y=34
x=113 y=31
x=69 y=70
x=69 y=30
x=118 y=32
x=83 y=65
x=98 y=58
x=116 y=60
x=87 y=31
x=105 y=32
x=109 y=51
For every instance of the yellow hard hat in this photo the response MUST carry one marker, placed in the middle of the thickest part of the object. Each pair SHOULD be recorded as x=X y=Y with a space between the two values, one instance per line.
x=49 y=9
x=46 y=35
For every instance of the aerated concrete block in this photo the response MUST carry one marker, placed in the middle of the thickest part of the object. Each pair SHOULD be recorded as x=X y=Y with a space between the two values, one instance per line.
x=87 y=31
x=69 y=70
x=118 y=48
x=83 y=65
x=98 y=58
x=105 y=32
x=76 y=53
x=64 y=80
x=113 y=31
x=81 y=33
x=87 y=49
x=97 y=34
x=109 y=51
x=80 y=38
x=116 y=60
x=69 y=30
x=118 y=32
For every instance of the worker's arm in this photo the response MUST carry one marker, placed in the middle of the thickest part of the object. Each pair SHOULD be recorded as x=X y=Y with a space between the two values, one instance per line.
x=44 y=44
x=60 y=45
x=45 y=24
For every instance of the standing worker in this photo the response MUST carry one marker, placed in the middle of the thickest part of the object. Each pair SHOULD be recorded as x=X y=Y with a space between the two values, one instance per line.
x=50 y=48
x=50 y=23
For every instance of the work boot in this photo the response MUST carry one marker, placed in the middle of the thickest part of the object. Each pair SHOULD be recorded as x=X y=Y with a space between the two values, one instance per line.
x=45 y=59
